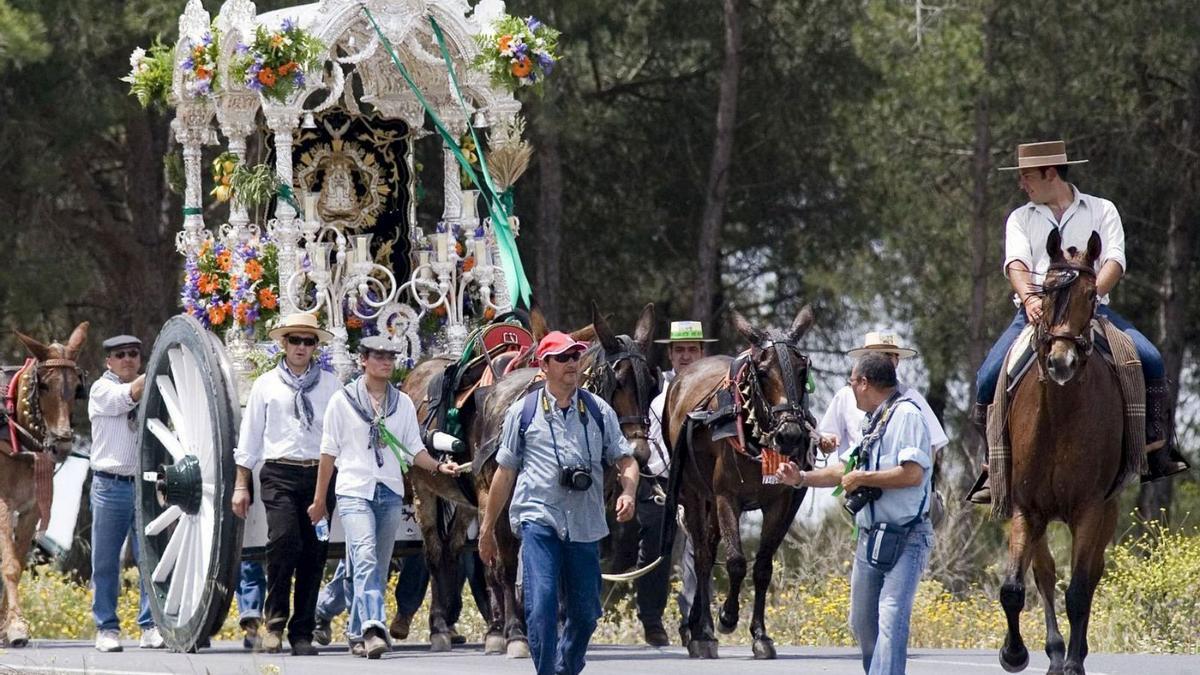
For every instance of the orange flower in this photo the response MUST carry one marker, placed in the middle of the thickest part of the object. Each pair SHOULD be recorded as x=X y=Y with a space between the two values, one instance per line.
x=354 y=322
x=240 y=313
x=216 y=314
x=207 y=284
x=267 y=299
x=504 y=42
x=440 y=310
x=203 y=73
x=224 y=261
x=267 y=77
x=469 y=264
x=521 y=67
x=288 y=67
x=198 y=52
x=254 y=270
x=489 y=314
x=277 y=40
x=205 y=247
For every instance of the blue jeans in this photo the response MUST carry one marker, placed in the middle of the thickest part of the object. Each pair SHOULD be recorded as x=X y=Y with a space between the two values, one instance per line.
x=551 y=565
x=881 y=602
x=410 y=590
x=370 y=536
x=252 y=588
x=989 y=370
x=112 y=521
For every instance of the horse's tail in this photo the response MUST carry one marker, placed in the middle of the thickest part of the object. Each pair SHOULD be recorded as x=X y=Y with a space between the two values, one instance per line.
x=679 y=456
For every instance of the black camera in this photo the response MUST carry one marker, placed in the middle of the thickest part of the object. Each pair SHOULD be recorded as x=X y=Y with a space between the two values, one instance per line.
x=855 y=501
x=578 y=478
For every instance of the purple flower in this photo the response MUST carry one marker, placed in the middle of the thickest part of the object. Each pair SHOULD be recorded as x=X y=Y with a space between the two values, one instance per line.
x=203 y=87
x=187 y=64
x=521 y=50
x=289 y=25
x=298 y=80
x=254 y=84
x=545 y=62
x=207 y=39
x=241 y=48
x=533 y=24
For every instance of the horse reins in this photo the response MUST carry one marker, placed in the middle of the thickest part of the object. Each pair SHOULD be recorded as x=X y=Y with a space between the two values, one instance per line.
x=25 y=402
x=1054 y=288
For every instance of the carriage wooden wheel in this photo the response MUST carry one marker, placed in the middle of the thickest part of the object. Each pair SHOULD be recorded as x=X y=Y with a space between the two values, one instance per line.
x=190 y=540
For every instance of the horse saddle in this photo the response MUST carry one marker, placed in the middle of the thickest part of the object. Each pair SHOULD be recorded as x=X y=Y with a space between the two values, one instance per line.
x=1023 y=354
x=722 y=420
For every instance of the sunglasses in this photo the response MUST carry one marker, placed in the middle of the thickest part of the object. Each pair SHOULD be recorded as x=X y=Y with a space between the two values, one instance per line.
x=297 y=341
x=131 y=353
x=569 y=356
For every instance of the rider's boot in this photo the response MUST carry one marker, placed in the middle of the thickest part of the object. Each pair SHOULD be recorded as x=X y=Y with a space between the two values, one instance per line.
x=980 y=492
x=1162 y=457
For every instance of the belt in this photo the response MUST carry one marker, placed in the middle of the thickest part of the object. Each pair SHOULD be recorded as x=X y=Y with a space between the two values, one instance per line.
x=113 y=476
x=305 y=463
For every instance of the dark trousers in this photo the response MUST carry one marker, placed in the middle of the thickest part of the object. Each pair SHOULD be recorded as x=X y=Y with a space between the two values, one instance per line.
x=652 y=588
x=292 y=548
x=413 y=582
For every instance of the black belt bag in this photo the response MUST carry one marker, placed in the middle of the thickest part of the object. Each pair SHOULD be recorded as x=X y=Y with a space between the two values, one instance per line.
x=885 y=541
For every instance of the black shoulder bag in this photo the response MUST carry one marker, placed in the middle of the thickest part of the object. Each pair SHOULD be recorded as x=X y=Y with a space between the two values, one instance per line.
x=885 y=541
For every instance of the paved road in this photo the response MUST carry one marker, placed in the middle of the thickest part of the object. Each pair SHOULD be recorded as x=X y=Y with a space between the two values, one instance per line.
x=44 y=657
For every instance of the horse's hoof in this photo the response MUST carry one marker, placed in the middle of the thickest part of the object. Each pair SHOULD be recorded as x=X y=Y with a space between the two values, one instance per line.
x=439 y=642
x=764 y=648
x=17 y=634
x=494 y=643
x=1016 y=662
x=518 y=649
x=725 y=625
x=702 y=649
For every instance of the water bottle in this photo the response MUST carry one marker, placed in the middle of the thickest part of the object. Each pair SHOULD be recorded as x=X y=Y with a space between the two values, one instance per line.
x=322 y=529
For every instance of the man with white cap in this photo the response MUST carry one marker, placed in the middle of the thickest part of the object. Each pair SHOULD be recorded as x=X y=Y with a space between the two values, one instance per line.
x=685 y=345
x=841 y=426
x=1055 y=204
x=112 y=407
x=281 y=432
x=553 y=447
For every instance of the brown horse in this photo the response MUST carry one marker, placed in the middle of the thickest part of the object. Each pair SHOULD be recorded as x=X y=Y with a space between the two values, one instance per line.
x=715 y=483
x=1066 y=427
x=46 y=393
x=618 y=367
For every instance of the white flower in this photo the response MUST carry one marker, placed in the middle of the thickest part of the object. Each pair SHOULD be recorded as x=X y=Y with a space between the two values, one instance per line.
x=135 y=59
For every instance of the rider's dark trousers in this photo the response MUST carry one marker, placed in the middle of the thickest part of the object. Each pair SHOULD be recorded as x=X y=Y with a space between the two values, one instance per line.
x=652 y=588
x=293 y=550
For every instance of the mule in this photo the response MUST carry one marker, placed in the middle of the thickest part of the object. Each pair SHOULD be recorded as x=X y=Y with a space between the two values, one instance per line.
x=716 y=481
x=1065 y=427
x=46 y=391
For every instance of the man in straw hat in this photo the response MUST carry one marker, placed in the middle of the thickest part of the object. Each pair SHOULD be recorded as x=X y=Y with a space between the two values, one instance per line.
x=684 y=347
x=841 y=426
x=1055 y=204
x=281 y=432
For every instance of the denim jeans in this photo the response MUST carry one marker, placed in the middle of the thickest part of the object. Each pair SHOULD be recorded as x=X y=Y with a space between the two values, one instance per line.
x=370 y=536
x=252 y=588
x=989 y=370
x=881 y=602
x=550 y=565
x=112 y=521
x=334 y=595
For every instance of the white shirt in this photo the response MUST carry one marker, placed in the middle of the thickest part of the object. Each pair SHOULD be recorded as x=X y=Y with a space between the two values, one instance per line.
x=114 y=435
x=660 y=455
x=1029 y=227
x=270 y=428
x=844 y=419
x=347 y=436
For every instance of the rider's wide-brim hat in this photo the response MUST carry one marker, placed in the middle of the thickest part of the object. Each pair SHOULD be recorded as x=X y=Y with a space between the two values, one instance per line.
x=888 y=343
x=686 y=331
x=300 y=322
x=1037 y=155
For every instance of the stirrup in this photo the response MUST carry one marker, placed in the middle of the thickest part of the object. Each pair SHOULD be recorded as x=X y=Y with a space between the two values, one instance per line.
x=980 y=492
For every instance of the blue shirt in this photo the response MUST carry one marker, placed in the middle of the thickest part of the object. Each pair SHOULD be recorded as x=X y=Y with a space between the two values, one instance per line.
x=538 y=496
x=906 y=439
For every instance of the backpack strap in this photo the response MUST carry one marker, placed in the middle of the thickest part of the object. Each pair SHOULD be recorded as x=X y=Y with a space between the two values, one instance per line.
x=529 y=409
x=589 y=402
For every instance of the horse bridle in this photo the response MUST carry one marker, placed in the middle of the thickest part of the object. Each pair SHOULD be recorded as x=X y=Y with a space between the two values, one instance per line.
x=1067 y=275
x=602 y=381
x=30 y=404
x=793 y=409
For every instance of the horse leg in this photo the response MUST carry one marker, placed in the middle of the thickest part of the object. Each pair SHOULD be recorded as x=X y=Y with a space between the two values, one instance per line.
x=494 y=642
x=1043 y=574
x=12 y=564
x=1026 y=529
x=707 y=536
x=517 y=644
x=735 y=563
x=1090 y=536
x=777 y=518
x=437 y=557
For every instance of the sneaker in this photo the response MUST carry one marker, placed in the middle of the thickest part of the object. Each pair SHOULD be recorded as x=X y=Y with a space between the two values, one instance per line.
x=108 y=641
x=323 y=633
x=151 y=639
x=272 y=642
x=374 y=643
x=357 y=648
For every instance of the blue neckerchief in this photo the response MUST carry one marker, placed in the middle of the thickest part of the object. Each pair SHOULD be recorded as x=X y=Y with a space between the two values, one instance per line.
x=302 y=406
x=360 y=400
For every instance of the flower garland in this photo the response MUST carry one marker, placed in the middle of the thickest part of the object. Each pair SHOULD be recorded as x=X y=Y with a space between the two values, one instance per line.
x=200 y=66
x=149 y=75
x=518 y=52
x=220 y=299
x=276 y=63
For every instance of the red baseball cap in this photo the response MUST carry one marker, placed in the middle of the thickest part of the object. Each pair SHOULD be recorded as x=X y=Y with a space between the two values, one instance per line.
x=557 y=342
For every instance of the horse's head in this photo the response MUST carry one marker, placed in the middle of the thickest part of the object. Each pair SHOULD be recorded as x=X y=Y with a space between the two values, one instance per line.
x=1068 y=304
x=50 y=390
x=619 y=372
x=780 y=373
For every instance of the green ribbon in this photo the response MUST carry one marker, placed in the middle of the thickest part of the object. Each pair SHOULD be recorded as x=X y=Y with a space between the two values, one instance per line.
x=394 y=444
x=850 y=464
x=192 y=211
x=286 y=193
x=510 y=259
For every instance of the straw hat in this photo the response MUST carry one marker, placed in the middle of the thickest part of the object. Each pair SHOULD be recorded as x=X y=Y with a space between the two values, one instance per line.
x=887 y=343
x=300 y=322
x=1036 y=155
x=686 y=331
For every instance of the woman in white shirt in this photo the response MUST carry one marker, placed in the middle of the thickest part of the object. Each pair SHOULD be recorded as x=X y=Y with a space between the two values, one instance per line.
x=372 y=436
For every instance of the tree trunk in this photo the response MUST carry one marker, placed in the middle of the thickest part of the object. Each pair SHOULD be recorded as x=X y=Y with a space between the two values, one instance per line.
x=550 y=211
x=709 y=270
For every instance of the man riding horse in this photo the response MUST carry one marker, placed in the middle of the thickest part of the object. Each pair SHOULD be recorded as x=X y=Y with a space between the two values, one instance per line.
x=1055 y=204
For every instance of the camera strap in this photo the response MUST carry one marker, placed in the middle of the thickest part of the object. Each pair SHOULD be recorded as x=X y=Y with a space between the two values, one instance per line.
x=585 y=407
x=878 y=427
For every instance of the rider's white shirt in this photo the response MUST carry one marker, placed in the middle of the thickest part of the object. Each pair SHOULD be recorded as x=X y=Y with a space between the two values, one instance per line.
x=114 y=437
x=660 y=455
x=844 y=419
x=1029 y=227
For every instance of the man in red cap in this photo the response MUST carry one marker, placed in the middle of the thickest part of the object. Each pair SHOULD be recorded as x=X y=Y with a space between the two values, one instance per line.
x=554 y=445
